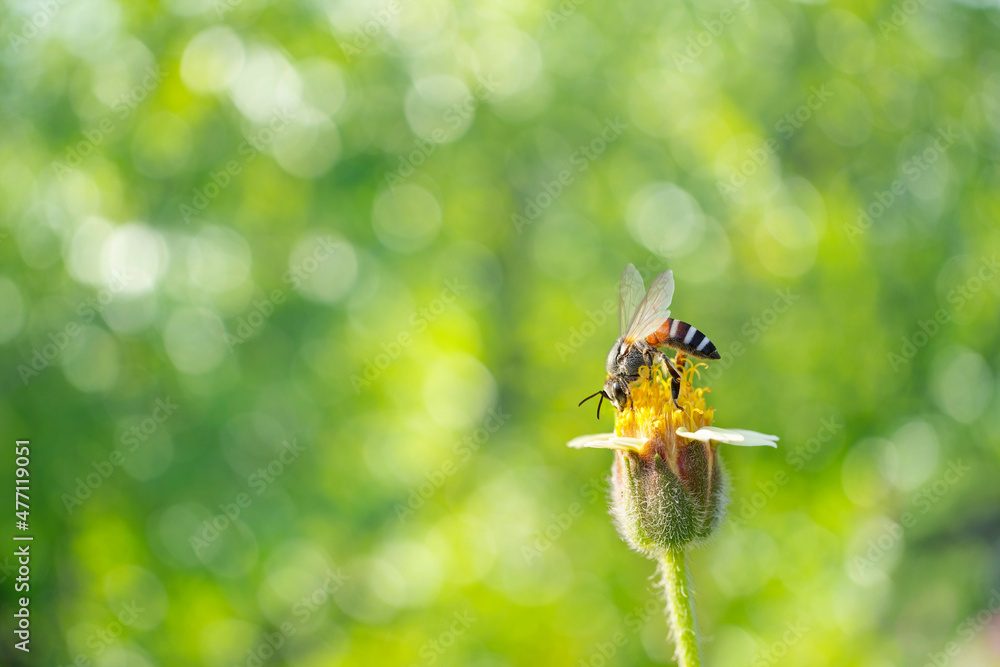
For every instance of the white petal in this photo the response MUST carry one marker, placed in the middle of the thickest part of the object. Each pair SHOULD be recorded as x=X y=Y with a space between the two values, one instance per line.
x=606 y=441
x=755 y=438
x=730 y=436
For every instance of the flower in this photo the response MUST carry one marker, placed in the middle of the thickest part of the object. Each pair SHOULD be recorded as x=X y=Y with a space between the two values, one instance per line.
x=668 y=484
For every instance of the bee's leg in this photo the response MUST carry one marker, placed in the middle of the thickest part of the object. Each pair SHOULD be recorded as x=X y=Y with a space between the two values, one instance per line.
x=677 y=372
x=675 y=386
x=675 y=379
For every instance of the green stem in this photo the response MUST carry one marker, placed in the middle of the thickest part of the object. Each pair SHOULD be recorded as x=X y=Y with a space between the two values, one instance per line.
x=681 y=610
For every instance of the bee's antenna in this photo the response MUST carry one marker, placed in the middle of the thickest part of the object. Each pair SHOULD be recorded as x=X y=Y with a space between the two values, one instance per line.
x=599 y=403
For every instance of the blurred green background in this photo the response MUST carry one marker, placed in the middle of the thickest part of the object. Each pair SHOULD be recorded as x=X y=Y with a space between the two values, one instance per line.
x=297 y=300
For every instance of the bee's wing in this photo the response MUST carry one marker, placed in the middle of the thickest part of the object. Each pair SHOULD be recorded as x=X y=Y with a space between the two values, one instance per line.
x=653 y=310
x=630 y=293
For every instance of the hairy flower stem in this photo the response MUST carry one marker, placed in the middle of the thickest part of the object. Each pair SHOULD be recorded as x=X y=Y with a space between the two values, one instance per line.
x=680 y=608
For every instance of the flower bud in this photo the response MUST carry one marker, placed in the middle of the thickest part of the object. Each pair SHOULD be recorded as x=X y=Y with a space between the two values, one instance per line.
x=661 y=502
x=668 y=484
x=671 y=491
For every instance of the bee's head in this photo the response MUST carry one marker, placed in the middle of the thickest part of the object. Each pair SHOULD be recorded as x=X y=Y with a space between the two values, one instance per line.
x=623 y=365
x=616 y=389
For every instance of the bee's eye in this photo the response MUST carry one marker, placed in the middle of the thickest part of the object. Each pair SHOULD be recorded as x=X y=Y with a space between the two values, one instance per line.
x=619 y=391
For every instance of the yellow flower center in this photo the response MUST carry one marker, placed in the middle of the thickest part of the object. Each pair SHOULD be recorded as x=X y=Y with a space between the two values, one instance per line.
x=654 y=417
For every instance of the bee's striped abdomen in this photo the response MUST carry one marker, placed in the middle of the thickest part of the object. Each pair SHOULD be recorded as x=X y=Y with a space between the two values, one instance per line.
x=682 y=336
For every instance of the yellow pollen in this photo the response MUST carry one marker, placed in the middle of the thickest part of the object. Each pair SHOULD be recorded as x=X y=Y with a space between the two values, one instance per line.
x=653 y=416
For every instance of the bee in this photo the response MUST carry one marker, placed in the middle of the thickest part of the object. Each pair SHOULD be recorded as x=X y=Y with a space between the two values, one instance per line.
x=645 y=325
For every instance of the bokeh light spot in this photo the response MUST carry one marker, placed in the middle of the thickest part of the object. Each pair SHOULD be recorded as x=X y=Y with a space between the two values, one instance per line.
x=406 y=218
x=212 y=60
x=323 y=267
x=440 y=108
x=458 y=390
x=665 y=219
x=134 y=587
x=219 y=259
x=91 y=360
x=309 y=146
x=195 y=342
x=962 y=383
x=134 y=258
